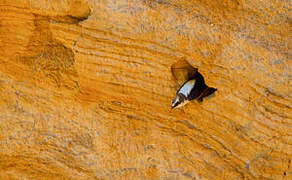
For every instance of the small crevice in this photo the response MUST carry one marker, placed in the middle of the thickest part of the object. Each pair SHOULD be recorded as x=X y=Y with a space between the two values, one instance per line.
x=69 y=19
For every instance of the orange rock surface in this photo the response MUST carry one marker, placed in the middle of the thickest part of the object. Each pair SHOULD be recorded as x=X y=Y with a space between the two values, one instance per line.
x=86 y=89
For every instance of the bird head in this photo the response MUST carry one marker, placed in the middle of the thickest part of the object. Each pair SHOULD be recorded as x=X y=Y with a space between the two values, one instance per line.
x=178 y=101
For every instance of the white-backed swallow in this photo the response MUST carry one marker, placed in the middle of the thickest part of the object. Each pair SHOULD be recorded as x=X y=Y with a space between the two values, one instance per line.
x=193 y=88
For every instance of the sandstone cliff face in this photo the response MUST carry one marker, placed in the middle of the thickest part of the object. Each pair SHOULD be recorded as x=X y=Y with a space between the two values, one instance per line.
x=86 y=89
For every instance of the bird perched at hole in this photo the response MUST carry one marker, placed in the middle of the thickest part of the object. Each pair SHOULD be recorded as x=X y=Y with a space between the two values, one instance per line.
x=193 y=86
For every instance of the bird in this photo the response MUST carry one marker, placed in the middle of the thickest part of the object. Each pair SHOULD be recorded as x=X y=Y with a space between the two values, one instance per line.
x=194 y=86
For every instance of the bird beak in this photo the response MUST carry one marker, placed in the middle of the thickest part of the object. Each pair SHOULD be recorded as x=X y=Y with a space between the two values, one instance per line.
x=173 y=106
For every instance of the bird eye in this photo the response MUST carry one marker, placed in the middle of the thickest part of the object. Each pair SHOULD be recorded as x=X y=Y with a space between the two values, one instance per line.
x=174 y=100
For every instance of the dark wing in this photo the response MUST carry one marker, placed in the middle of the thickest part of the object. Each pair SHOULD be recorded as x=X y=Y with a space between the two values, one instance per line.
x=182 y=71
x=207 y=92
x=201 y=90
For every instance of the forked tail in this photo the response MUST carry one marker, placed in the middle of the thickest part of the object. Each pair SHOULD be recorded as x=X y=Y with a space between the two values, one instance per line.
x=208 y=91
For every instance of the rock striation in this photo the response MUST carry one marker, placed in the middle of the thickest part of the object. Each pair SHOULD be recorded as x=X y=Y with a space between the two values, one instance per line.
x=86 y=89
